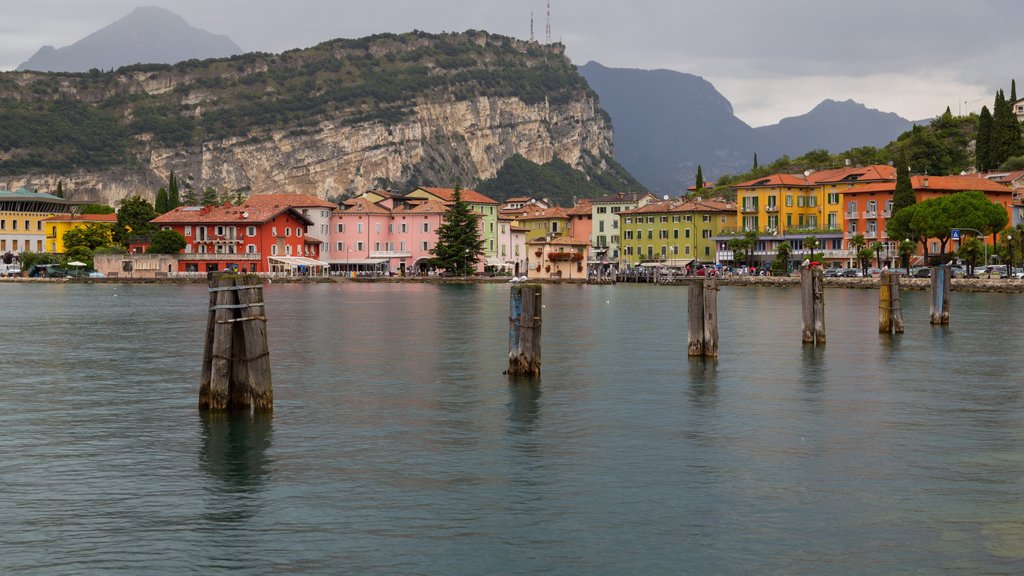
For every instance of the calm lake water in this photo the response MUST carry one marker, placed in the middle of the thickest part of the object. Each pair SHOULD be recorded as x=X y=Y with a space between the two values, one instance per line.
x=398 y=447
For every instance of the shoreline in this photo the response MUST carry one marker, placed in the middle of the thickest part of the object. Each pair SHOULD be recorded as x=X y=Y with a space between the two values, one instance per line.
x=1006 y=286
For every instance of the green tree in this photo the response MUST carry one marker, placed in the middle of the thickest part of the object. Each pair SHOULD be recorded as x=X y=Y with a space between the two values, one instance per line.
x=906 y=249
x=161 y=202
x=133 y=219
x=971 y=251
x=904 y=195
x=983 y=141
x=1006 y=135
x=864 y=257
x=459 y=244
x=166 y=242
x=699 y=184
x=96 y=209
x=1013 y=91
x=210 y=197
x=60 y=189
x=755 y=162
x=857 y=243
x=173 y=194
x=877 y=248
x=91 y=236
x=783 y=253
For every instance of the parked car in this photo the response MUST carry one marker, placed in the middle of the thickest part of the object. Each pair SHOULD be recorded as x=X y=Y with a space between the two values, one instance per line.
x=990 y=272
x=851 y=273
x=921 y=272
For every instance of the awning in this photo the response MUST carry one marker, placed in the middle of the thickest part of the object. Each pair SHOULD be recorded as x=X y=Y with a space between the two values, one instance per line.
x=675 y=262
x=359 y=261
x=495 y=262
x=294 y=261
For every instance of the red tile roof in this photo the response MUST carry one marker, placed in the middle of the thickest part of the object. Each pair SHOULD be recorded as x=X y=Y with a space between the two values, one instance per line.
x=448 y=195
x=682 y=205
x=582 y=208
x=775 y=180
x=428 y=207
x=560 y=241
x=872 y=173
x=292 y=200
x=363 y=206
x=936 y=184
x=545 y=214
x=256 y=214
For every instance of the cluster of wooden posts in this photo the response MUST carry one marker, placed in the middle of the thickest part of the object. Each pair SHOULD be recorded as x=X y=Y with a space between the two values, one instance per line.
x=236 y=360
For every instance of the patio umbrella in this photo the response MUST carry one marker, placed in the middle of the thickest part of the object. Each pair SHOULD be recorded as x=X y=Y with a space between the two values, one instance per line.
x=76 y=264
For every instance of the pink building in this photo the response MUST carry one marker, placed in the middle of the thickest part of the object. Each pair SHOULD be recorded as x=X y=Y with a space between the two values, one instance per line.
x=511 y=245
x=384 y=237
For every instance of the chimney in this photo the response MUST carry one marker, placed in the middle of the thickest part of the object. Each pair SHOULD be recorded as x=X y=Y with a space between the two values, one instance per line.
x=925 y=181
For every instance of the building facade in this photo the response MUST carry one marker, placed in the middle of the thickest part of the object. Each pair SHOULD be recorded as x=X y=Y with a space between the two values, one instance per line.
x=674 y=232
x=22 y=217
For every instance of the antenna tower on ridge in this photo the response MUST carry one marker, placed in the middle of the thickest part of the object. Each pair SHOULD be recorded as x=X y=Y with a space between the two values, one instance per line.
x=531 y=26
x=548 y=29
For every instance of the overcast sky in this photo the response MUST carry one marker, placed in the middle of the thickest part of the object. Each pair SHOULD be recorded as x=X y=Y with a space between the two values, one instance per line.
x=771 y=59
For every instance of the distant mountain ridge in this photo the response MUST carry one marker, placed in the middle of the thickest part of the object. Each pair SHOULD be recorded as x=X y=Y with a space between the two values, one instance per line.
x=667 y=123
x=147 y=35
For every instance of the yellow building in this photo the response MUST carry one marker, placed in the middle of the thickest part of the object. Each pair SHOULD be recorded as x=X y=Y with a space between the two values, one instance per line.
x=22 y=214
x=58 y=225
x=674 y=232
x=551 y=222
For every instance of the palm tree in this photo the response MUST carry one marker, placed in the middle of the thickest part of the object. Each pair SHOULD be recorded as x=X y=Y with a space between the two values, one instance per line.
x=857 y=243
x=877 y=248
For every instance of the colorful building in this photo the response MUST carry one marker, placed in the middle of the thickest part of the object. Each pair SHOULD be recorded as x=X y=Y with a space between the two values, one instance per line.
x=605 y=244
x=563 y=258
x=249 y=238
x=482 y=205
x=387 y=236
x=58 y=225
x=316 y=209
x=22 y=217
x=551 y=222
x=674 y=232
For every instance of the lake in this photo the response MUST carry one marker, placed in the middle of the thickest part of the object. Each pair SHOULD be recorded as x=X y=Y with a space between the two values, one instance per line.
x=398 y=447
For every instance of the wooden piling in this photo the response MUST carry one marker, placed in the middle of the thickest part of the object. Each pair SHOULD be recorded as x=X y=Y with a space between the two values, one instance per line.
x=236 y=359
x=812 y=299
x=939 y=310
x=890 y=305
x=702 y=317
x=524 y=350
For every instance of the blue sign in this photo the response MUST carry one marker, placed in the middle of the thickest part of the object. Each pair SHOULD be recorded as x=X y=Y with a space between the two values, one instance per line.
x=954 y=234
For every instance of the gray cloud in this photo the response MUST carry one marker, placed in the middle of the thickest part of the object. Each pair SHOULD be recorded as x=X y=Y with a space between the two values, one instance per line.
x=963 y=50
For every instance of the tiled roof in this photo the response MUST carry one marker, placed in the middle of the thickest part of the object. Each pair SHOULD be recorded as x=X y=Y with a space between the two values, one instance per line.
x=363 y=206
x=293 y=200
x=683 y=205
x=775 y=180
x=252 y=213
x=582 y=208
x=448 y=195
x=545 y=214
x=518 y=199
x=874 y=172
x=82 y=218
x=623 y=198
x=1003 y=177
x=428 y=207
x=560 y=241
x=936 y=183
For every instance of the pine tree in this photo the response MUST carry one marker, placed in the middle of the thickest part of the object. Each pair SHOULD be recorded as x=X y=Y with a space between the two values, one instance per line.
x=161 y=201
x=904 y=194
x=1013 y=91
x=1006 y=135
x=755 y=162
x=459 y=244
x=60 y=189
x=983 y=142
x=700 y=179
x=173 y=196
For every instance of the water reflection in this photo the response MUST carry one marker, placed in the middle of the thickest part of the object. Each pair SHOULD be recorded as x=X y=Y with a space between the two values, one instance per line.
x=523 y=404
x=234 y=456
x=703 y=391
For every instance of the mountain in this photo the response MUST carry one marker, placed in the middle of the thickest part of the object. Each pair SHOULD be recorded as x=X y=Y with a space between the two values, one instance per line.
x=338 y=118
x=833 y=126
x=146 y=35
x=667 y=123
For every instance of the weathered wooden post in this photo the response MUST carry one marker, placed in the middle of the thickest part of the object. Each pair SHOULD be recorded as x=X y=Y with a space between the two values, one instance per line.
x=890 y=305
x=940 y=295
x=702 y=315
x=236 y=359
x=812 y=299
x=524 y=321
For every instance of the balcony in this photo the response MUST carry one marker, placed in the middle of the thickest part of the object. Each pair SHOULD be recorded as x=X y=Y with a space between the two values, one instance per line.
x=852 y=215
x=871 y=235
x=871 y=214
x=748 y=209
x=887 y=213
x=214 y=239
x=772 y=209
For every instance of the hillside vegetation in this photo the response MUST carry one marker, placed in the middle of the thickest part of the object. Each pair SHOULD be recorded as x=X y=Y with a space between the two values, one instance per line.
x=52 y=122
x=556 y=181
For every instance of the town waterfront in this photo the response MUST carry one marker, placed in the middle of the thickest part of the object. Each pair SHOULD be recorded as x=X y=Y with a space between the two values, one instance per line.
x=398 y=447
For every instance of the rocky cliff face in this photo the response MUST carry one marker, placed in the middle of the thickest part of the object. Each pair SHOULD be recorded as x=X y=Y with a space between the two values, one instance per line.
x=440 y=136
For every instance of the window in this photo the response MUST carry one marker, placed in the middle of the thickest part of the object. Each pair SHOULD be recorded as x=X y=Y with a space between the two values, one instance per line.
x=426 y=226
x=706 y=218
x=359 y=228
x=188 y=230
x=686 y=233
x=650 y=234
x=789 y=200
x=288 y=250
x=675 y=234
x=663 y=234
x=287 y=231
x=298 y=232
x=250 y=248
x=664 y=219
x=341 y=228
x=600 y=225
x=629 y=235
x=602 y=209
x=220 y=230
x=376 y=227
x=273 y=230
x=676 y=218
x=250 y=231
x=853 y=227
x=340 y=246
x=688 y=218
x=376 y=246
x=359 y=246
x=650 y=219
x=686 y=250
x=3 y=224
x=833 y=198
x=705 y=234
x=833 y=220
x=404 y=228
x=615 y=224
x=273 y=250
x=391 y=228
x=14 y=225
x=629 y=219
x=425 y=246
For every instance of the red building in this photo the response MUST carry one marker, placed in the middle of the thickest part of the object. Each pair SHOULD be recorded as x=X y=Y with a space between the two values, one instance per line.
x=247 y=238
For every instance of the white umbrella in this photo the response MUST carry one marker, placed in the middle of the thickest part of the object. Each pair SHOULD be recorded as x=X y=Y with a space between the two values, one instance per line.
x=76 y=264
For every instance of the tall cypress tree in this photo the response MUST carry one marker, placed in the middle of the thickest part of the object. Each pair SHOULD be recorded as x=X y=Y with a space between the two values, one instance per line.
x=983 y=142
x=1013 y=91
x=161 y=201
x=1006 y=136
x=755 y=161
x=173 y=196
x=699 y=184
x=60 y=189
x=904 y=194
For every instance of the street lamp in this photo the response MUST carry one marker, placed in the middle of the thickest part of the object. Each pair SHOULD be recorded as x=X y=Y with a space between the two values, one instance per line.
x=1009 y=255
x=465 y=264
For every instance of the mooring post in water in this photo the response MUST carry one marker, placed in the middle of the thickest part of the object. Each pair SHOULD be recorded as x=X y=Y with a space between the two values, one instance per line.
x=524 y=322
x=940 y=295
x=812 y=300
x=890 y=308
x=236 y=359
x=702 y=317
